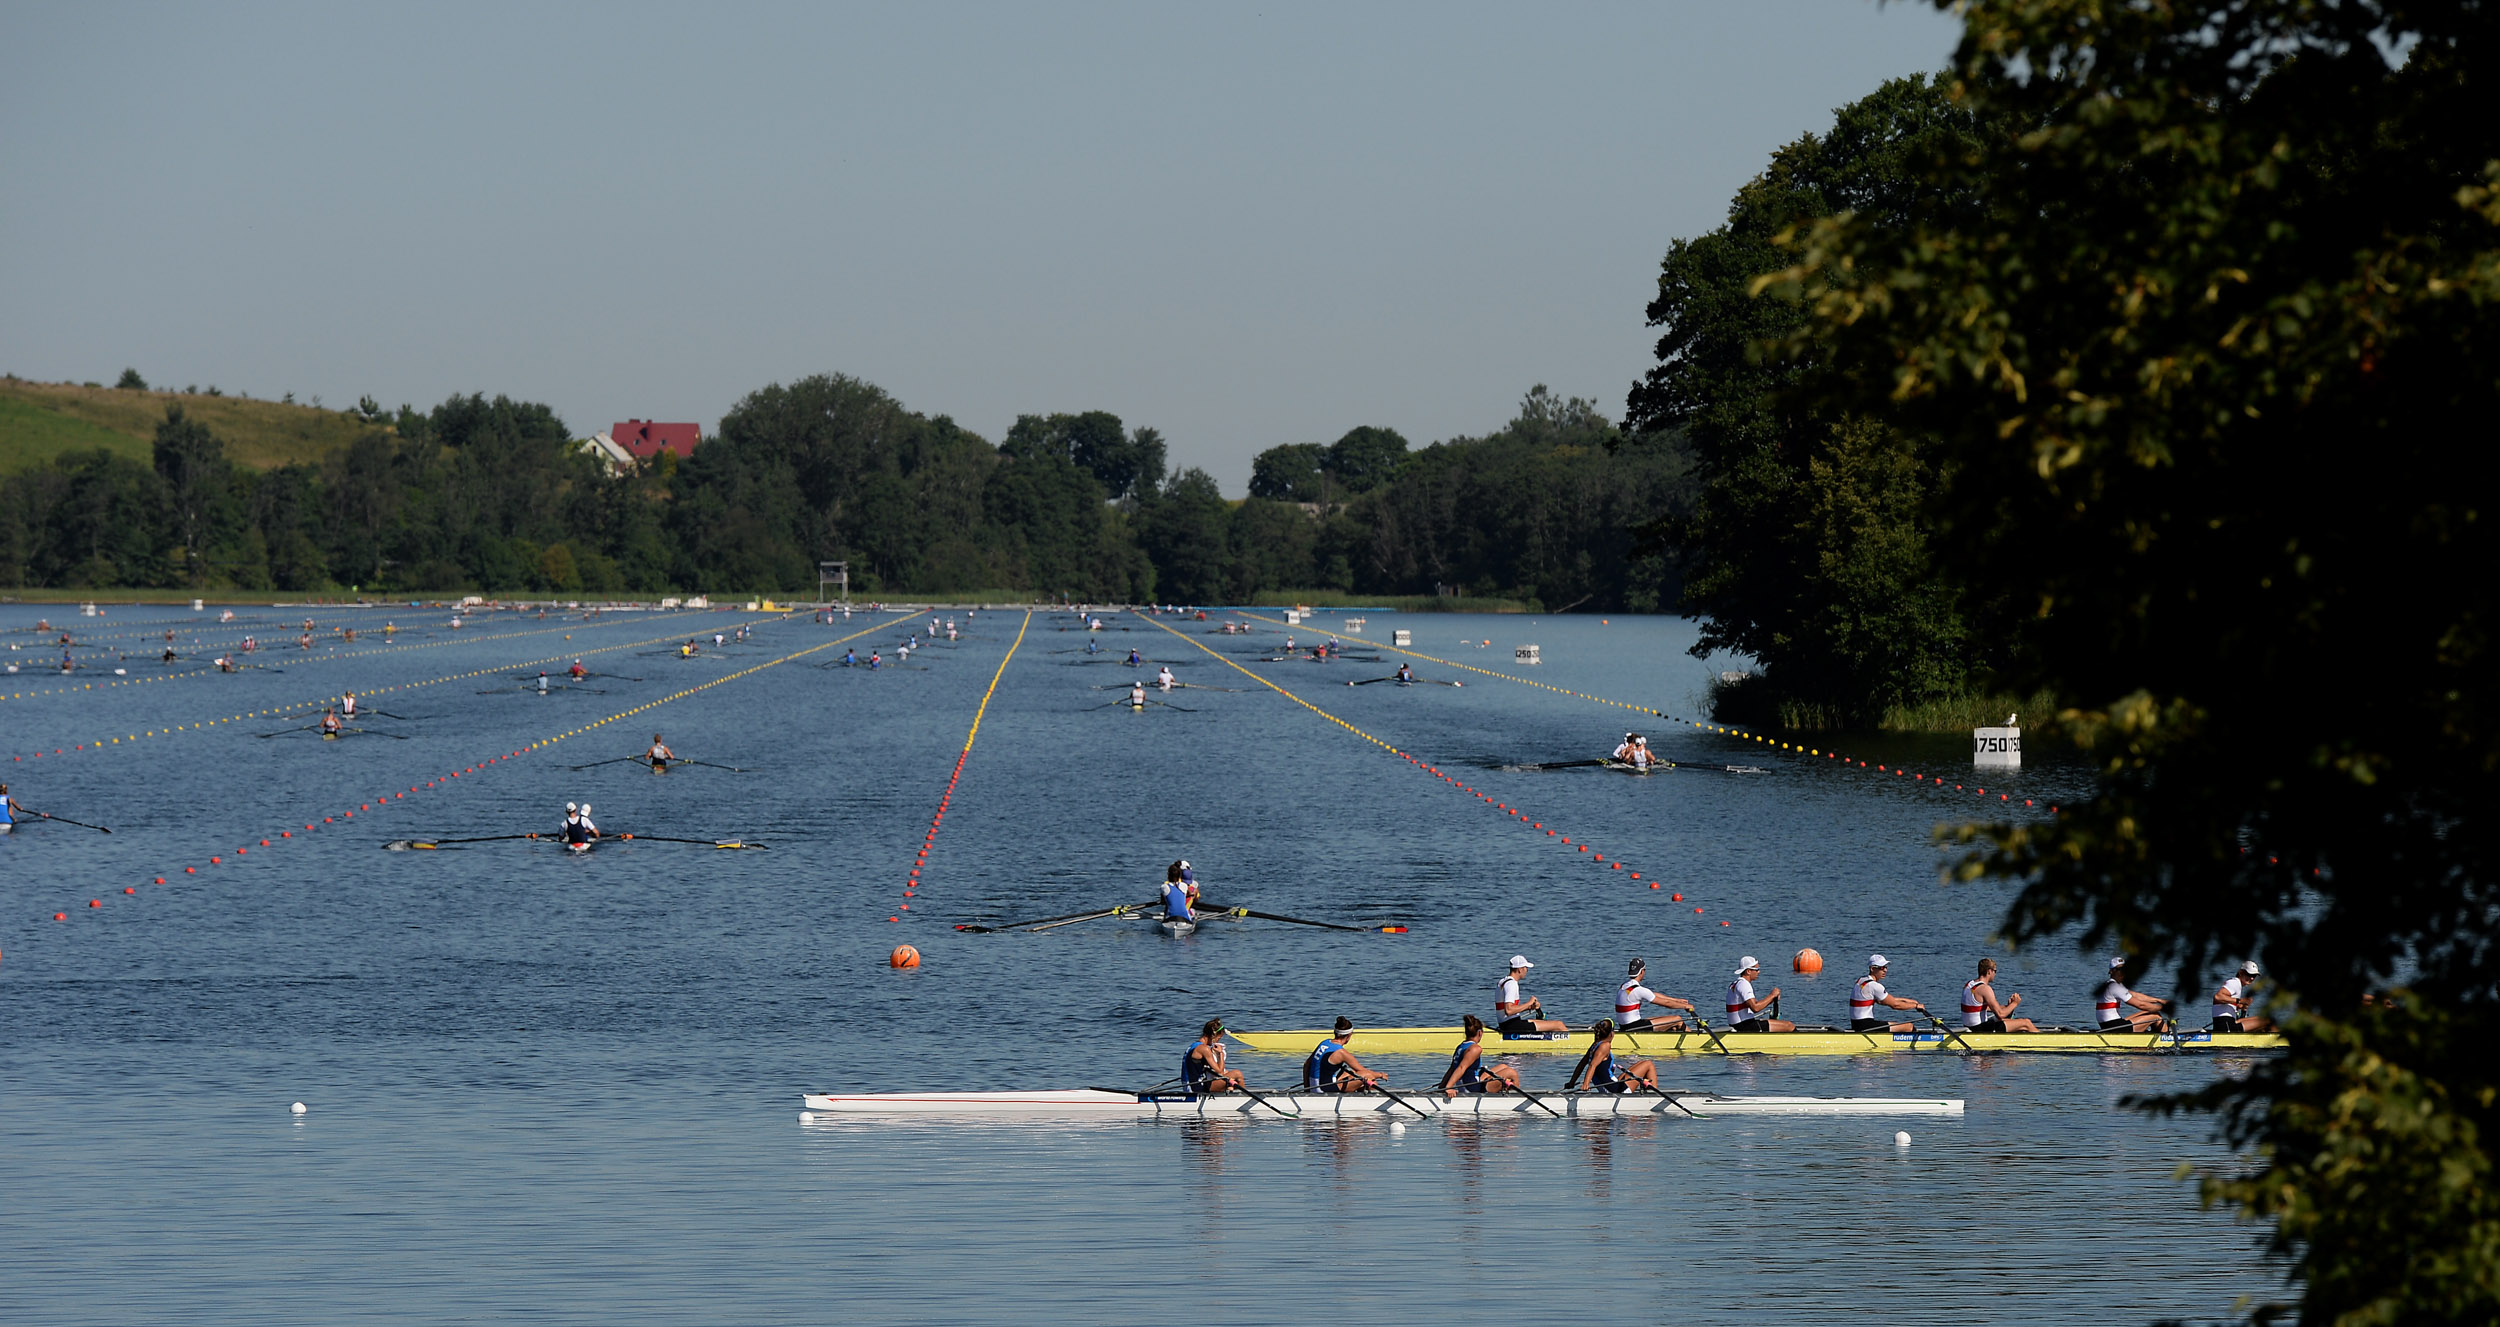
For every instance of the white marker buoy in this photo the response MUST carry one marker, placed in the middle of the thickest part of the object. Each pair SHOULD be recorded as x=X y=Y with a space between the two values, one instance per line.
x=1396 y=1127
x=297 y=1109
x=807 y=1117
x=1901 y=1139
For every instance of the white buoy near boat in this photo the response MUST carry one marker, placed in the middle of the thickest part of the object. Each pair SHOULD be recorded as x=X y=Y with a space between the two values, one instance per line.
x=1902 y=1140
x=297 y=1109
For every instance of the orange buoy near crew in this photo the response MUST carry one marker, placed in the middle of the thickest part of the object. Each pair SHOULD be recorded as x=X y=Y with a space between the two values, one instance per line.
x=1808 y=962
x=904 y=956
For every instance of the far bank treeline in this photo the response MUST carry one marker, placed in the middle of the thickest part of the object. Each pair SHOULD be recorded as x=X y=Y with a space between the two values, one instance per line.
x=482 y=494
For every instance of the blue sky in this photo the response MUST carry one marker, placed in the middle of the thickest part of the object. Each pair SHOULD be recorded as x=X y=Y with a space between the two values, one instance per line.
x=1244 y=225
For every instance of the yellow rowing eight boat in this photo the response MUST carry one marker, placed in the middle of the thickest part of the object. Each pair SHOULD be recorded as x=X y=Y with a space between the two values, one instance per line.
x=1807 y=1041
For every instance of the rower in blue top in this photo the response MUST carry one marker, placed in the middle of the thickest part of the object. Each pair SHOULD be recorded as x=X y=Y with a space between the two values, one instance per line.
x=1180 y=890
x=1333 y=1068
x=1133 y=660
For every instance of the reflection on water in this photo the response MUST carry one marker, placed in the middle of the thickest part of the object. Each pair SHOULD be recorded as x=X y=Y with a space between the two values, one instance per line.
x=566 y=1090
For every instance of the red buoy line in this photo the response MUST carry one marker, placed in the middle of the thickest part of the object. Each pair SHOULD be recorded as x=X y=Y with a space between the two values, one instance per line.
x=301 y=657
x=384 y=801
x=1772 y=742
x=274 y=711
x=911 y=882
x=1510 y=812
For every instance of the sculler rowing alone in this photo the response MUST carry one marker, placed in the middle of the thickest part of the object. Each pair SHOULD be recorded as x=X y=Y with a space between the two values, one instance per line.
x=1982 y=1011
x=1164 y=679
x=1745 y=1010
x=660 y=755
x=1870 y=996
x=1137 y=695
x=347 y=704
x=1632 y=995
x=329 y=724
x=1333 y=1068
x=1468 y=1072
x=1202 y=1069
x=9 y=810
x=1520 y=1011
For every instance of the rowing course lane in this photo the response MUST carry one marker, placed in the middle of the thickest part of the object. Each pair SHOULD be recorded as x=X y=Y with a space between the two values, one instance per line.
x=573 y=1081
x=319 y=817
x=914 y=879
x=1869 y=757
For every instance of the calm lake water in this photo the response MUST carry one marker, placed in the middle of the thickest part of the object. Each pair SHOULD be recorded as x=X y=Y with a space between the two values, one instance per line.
x=567 y=1089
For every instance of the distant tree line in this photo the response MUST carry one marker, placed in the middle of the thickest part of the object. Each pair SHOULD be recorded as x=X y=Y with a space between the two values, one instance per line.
x=481 y=494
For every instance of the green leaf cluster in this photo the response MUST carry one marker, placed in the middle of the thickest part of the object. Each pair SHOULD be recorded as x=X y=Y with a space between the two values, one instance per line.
x=2203 y=368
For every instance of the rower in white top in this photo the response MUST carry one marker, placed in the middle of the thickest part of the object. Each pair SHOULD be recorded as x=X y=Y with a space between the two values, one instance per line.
x=2232 y=1000
x=1870 y=996
x=1632 y=995
x=1983 y=1011
x=1164 y=679
x=1746 y=1010
x=1520 y=1011
x=2117 y=1009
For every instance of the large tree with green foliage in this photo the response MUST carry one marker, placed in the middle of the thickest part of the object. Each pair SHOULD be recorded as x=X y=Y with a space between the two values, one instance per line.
x=2205 y=368
x=1804 y=547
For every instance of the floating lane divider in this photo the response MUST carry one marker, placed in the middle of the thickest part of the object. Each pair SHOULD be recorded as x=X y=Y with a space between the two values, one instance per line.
x=911 y=883
x=1507 y=810
x=300 y=656
x=383 y=801
x=102 y=742
x=1772 y=742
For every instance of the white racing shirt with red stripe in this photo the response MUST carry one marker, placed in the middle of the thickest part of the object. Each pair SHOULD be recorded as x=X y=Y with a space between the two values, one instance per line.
x=1740 y=1001
x=2112 y=1002
x=1974 y=1012
x=1862 y=1001
x=1629 y=998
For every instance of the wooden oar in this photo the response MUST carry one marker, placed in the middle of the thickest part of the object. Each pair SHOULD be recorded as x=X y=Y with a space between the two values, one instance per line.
x=428 y=845
x=63 y=820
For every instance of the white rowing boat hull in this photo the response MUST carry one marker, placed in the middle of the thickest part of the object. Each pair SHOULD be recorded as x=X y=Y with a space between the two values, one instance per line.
x=1081 y=1103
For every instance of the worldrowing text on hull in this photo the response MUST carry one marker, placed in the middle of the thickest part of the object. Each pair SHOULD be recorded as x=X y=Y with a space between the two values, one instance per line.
x=1441 y=1040
x=1080 y=1103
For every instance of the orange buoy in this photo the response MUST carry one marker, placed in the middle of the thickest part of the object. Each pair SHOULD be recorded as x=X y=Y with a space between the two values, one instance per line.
x=1808 y=962
x=904 y=956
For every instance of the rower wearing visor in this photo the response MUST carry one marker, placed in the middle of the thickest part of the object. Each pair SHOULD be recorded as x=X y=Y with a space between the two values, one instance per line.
x=1202 y=1069
x=1468 y=1072
x=1632 y=995
x=2232 y=1000
x=1983 y=1011
x=1520 y=1011
x=1870 y=996
x=2117 y=1009
x=1746 y=1010
x=1333 y=1068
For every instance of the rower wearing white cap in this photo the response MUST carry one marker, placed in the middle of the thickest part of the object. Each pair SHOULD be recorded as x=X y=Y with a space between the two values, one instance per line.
x=2117 y=1009
x=1631 y=995
x=1870 y=996
x=2232 y=1000
x=1519 y=1010
x=1983 y=1011
x=1745 y=1010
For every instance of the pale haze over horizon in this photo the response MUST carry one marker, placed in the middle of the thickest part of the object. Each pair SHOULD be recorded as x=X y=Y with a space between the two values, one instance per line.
x=1243 y=227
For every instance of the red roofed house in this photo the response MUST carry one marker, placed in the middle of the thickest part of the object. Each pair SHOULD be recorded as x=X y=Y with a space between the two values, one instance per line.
x=638 y=440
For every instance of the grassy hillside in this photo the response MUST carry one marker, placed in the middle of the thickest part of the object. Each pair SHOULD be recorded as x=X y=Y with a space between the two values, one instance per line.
x=40 y=420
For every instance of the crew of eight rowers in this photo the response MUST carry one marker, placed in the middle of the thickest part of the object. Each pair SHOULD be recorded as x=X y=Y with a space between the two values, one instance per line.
x=1332 y=1067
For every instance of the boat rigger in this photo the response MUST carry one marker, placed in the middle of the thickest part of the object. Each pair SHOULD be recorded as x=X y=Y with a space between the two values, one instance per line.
x=1102 y=1103
x=1804 y=1041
